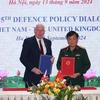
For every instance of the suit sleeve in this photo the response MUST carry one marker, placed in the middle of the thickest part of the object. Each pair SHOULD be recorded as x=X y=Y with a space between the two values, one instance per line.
x=50 y=48
x=48 y=45
x=59 y=60
x=86 y=62
x=24 y=53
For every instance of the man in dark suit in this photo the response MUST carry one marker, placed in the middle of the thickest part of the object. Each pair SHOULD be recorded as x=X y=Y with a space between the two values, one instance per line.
x=82 y=62
x=31 y=53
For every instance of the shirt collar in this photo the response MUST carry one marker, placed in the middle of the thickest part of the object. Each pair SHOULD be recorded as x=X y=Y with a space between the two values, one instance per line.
x=38 y=39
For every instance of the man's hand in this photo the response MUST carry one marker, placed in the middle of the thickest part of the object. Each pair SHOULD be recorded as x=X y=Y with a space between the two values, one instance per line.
x=36 y=70
x=75 y=75
x=52 y=60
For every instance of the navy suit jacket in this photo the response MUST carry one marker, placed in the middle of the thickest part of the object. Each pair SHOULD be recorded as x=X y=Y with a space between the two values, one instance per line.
x=30 y=56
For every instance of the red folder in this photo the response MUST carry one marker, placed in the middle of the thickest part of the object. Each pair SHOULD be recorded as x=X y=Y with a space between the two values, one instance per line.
x=67 y=66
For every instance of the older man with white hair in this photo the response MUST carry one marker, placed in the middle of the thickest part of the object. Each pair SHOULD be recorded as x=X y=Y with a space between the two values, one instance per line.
x=30 y=55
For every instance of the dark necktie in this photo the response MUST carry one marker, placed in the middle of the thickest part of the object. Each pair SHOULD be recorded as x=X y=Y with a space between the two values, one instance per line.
x=41 y=47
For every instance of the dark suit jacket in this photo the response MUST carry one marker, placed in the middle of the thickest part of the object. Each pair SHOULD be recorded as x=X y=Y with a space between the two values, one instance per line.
x=30 y=58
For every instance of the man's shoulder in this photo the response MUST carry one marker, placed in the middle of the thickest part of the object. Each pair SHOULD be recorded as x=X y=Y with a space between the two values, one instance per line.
x=65 y=48
x=45 y=39
x=29 y=38
x=81 y=47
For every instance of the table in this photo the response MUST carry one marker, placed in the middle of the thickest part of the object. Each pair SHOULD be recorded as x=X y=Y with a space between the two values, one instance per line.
x=24 y=95
x=90 y=94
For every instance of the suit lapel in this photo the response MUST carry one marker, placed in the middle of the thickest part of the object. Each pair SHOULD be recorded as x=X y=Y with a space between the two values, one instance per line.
x=35 y=45
x=46 y=45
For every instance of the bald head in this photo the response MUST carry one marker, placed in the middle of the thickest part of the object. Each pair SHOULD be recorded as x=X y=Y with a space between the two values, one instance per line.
x=39 y=25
